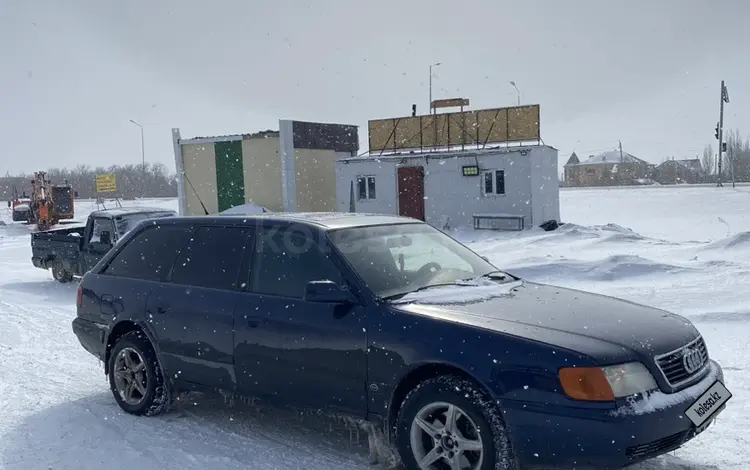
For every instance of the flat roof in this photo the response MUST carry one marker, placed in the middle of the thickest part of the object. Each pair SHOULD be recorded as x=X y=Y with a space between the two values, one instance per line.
x=495 y=150
x=324 y=220
x=231 y=137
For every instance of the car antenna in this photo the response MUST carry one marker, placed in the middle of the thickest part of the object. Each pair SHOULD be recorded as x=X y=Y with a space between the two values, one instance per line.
x=205 y=211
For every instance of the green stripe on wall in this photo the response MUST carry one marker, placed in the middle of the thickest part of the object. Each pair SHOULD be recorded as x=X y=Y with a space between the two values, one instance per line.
x=230 y=181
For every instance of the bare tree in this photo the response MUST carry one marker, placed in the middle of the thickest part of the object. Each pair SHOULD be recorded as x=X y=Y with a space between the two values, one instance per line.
x=132 y=181
x=708 y=160
x=738 y=155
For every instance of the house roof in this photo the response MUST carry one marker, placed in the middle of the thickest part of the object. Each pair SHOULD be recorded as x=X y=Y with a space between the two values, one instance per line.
x=693 y=164
x=611 y=157
x=573 y=159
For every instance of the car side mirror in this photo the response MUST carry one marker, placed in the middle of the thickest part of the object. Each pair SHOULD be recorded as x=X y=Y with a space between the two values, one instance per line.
x=105 y=237
x=327 y=292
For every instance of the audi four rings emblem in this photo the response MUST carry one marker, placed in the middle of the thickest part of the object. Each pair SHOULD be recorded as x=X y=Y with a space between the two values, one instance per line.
x=692 y=360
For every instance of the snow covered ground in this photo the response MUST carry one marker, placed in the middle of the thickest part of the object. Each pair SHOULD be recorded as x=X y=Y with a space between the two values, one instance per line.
x=684 y=249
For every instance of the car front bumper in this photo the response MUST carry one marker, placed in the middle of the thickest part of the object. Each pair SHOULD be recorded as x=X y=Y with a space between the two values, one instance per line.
x=565 y=437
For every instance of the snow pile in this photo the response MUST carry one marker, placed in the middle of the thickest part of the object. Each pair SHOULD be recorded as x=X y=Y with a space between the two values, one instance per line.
x=57 y=406
x=736 y=241
x=615 y=267
x=245 y=209
x=462 y=292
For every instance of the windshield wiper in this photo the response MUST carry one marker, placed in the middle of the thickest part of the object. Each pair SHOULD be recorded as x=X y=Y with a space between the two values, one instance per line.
x=420 y=289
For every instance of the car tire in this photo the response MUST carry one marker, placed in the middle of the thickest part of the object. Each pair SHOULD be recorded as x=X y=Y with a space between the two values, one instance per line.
x=59 y=273
x=427 y=407
x=136 y=378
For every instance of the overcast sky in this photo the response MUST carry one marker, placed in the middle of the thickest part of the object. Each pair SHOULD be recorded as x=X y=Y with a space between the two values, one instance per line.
x=73 y=73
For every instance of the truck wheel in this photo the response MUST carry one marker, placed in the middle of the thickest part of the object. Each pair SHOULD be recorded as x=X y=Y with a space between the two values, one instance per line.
x=450 y=422
x=135 y=377
x=59 y=272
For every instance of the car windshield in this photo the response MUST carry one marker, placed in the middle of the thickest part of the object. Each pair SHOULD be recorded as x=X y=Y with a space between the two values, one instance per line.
x=125 y=223
x=395 y=260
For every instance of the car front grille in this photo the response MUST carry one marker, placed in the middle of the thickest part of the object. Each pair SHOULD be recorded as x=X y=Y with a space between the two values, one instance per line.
x=683 y=364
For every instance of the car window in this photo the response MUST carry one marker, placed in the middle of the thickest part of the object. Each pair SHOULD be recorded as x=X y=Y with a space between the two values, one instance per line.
x=99 y=225
x=286 y=261
x=126 y=223
x=211 y=258
x=150 y=254
x=400 y=258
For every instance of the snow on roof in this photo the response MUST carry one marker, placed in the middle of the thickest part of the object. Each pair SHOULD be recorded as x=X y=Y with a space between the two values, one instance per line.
x=693 y=164
x=611 y=157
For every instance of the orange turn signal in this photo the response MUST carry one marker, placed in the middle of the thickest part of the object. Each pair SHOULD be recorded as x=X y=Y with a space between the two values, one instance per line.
x=586 y=384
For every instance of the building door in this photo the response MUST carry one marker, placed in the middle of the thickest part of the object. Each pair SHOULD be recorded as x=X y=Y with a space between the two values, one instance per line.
x=411 y=192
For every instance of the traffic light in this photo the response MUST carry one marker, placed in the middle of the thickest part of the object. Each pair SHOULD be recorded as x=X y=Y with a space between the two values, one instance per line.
x=723 y=146
x=716 y=133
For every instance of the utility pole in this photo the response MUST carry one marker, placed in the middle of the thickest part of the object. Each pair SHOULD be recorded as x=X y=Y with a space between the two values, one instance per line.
x=621 y=160
x=143 y=159
x=430 y=103
x=518 y=92
x=720 y=131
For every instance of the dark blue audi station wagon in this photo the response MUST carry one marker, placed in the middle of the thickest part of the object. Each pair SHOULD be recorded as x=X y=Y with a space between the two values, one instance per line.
x=395 y=324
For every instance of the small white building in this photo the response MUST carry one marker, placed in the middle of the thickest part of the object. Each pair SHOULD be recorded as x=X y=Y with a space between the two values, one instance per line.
x=500 y=188
x=289 y=170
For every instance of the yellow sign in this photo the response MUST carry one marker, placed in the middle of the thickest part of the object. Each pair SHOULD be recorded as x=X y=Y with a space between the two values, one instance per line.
x=106 y=184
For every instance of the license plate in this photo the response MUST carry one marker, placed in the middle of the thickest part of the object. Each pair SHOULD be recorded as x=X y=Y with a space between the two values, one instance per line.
x=708 y=404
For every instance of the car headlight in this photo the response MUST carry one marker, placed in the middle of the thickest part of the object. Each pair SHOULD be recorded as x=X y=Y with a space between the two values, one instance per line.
x=606 y=383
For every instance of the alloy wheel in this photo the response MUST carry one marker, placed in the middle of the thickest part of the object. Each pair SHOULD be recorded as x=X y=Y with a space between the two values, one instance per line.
x=131 y=380
x=443 y=436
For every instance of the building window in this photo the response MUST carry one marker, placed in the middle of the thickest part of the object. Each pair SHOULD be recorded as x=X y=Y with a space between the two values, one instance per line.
x=365 y=187
x=493 y=182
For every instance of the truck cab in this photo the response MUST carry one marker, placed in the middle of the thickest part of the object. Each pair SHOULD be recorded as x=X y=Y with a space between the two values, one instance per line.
x=71 y=252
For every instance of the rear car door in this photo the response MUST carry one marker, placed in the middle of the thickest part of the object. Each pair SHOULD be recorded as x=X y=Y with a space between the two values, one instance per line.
x=120 y=291
x=194 y=310
x=312 y=354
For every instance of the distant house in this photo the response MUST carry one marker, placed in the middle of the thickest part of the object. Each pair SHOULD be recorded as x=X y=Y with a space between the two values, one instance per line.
x=688 y=171
x=609 y=168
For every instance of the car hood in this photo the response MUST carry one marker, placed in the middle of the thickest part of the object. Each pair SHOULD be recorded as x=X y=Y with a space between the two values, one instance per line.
x=604 y=328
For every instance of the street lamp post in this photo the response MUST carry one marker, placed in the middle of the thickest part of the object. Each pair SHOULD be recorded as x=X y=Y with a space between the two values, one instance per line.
x=430 y=104
x=143 y=160
x=518 y=92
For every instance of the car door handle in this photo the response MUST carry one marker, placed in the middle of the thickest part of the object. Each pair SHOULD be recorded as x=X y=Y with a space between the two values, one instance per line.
x=107 y=306
x=253 y=322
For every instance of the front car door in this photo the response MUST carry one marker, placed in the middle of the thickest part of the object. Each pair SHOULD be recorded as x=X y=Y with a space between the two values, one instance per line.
x=311 y=354
x=94 y=249
x=195 y=307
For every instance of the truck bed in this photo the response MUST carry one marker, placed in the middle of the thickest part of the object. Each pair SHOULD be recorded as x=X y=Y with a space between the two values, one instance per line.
x=64 y=244
x=60 y=234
